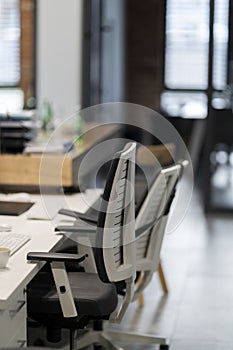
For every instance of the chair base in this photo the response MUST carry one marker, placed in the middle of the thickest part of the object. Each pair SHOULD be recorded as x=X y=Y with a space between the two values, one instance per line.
x=106 y=338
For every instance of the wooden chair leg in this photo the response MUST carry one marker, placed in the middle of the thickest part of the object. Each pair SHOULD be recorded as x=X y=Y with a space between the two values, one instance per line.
x=162 y=278
x=141 y=297
x=162 y=281
x=141 y=300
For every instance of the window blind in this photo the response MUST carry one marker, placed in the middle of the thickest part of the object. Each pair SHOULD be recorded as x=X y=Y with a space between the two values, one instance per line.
x=187 y=44
x=220 y=49
x=9 y=42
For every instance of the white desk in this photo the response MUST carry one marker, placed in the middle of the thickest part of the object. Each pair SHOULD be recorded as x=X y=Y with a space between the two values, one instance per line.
x=19 y=272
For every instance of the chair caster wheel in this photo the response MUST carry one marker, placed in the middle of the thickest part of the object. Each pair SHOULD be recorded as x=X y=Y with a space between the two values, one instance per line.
x=163 y=347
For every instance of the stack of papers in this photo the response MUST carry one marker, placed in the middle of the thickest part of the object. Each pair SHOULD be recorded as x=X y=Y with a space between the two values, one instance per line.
x=19 y=115
x=16 y=131
x=50 y=148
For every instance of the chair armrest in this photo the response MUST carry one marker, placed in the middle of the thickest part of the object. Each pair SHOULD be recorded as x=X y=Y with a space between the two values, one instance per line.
x=77 y=215
x=57 y=262
x=50 y=257
x=75 y=229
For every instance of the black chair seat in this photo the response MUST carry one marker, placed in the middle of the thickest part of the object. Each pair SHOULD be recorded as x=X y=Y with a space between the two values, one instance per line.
x=91 y=296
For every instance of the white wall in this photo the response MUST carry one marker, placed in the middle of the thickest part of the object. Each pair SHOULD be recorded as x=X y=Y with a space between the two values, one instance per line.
x=59 y=37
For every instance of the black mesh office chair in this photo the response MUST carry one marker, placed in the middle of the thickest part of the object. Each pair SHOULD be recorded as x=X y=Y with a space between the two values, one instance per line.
x=150 y=227
x=152 y=212
x=149 y=231
x=78 y=298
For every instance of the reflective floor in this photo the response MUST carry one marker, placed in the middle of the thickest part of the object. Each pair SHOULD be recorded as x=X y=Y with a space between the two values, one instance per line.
x=197 y=313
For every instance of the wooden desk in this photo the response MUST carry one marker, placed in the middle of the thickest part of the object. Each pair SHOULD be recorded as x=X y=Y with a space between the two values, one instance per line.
x=19 y=272
x=33 y=170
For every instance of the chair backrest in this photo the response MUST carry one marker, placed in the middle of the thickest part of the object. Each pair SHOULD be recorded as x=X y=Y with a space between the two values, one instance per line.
x=154 y=210
x=115 y=239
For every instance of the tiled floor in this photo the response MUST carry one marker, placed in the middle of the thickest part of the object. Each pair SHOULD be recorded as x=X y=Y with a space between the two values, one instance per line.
x=197 y=313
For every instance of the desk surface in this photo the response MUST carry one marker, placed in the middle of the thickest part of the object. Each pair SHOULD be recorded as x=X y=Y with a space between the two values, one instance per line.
x=59 y=170
x=43 y=238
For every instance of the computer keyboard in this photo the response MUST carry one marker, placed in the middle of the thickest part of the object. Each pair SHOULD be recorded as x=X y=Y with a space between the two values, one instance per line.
x=13 y=241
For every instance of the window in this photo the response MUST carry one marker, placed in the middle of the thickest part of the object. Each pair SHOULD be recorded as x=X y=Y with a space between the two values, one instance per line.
x=9 y=42
x=221 y=34
x=17 y=52
x=187 y=45
x=187 y=37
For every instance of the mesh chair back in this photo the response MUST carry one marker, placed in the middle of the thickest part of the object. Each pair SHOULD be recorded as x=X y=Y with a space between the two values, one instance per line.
x=155 y=210
x=115 y=245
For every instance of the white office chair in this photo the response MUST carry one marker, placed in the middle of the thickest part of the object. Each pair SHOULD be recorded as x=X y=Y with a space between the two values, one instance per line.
x=154 y=213
x=149 y=230
x=80 y=297
x=128 y=289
